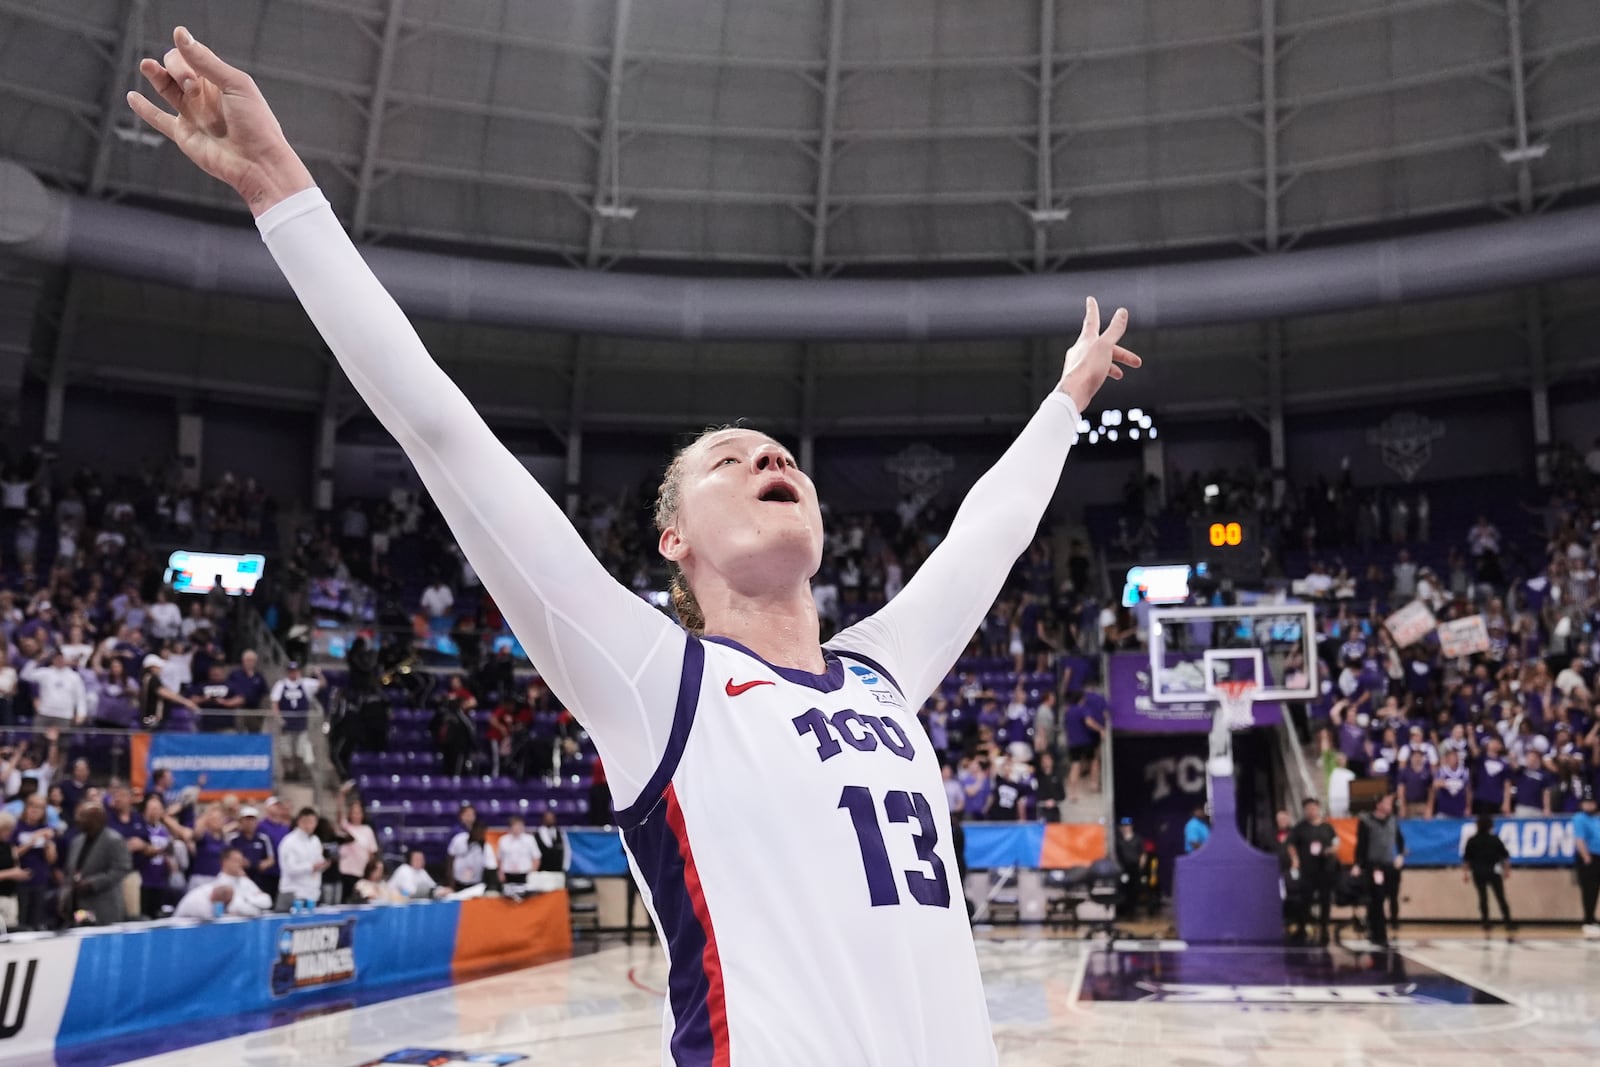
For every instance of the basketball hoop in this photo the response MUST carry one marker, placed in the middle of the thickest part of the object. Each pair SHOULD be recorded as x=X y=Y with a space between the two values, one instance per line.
x=1237 y=699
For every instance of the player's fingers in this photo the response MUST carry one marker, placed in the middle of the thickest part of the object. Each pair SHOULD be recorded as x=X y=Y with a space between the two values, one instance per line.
x=1114 y=373
x=159 y=120
x=180 y=70
x=162 y=82
x=206 y=63
x=1117 y=327
x=1123 y=355
x=1091 y=319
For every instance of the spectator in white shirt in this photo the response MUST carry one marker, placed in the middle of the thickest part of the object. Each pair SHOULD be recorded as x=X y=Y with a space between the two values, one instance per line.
x=163 y=619
x=8 y=690
x=471 y=857
x=360 y=847
x=59 y=693
x=232 y=888
x=519 y=853
x=301 y=859
x=437 y=600
x=413 y=880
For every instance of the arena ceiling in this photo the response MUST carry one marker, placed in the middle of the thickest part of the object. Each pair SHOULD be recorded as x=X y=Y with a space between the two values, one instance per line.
x=820 y=136
x=848 y=138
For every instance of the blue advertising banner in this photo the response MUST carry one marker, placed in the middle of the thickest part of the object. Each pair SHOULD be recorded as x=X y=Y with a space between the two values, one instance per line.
x=127 y=980
x=1003 y=844
x=596 y=853
x=229 y=763
x=1532 y=842
x=1133 y=710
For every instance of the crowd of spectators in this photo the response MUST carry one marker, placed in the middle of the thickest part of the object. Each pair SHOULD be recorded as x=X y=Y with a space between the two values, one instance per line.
x=1510 y=729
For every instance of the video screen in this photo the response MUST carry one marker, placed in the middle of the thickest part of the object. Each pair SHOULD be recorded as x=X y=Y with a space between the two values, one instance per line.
x=201 y=572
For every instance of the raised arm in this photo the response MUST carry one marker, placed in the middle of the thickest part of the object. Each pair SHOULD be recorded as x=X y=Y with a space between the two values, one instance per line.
x=613 y=659
x=919 y=634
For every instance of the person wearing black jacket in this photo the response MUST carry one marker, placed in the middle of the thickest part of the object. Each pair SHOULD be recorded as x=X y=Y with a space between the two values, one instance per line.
x=1486 y=861
x=1128 y=850
x=1314 y=867
x=1381 y=852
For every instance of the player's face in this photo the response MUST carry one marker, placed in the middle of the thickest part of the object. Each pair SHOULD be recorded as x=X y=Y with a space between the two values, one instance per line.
x=747 y=512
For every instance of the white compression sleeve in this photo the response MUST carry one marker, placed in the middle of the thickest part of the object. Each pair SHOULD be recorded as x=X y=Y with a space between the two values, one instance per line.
x=918 y=635
x=611 y=658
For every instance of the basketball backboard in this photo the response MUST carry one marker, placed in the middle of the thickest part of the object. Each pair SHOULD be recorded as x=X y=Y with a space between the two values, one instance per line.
x=1194 y=651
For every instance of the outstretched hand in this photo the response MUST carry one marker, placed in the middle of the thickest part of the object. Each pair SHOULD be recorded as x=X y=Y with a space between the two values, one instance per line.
x=1096 y=356
x=223 y=123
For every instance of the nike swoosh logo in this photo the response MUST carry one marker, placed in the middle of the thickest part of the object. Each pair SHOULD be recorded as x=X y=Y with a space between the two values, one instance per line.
x=745 y=687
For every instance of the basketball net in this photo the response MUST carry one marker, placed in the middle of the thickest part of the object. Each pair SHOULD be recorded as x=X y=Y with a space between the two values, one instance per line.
x=1235 y=711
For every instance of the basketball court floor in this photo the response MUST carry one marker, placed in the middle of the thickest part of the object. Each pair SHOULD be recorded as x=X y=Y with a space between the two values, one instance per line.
x=1449 y=1000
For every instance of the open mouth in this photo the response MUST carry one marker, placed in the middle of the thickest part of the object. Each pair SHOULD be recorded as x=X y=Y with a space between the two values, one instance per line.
x=781 y=493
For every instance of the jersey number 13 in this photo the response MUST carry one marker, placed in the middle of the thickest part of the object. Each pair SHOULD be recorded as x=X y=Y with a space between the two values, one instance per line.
x=901 y=807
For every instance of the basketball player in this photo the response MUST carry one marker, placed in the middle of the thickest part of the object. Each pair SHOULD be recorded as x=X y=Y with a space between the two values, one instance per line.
x=783 y=814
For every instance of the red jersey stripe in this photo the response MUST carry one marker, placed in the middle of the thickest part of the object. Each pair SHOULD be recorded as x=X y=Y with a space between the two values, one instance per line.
x=716 y=1002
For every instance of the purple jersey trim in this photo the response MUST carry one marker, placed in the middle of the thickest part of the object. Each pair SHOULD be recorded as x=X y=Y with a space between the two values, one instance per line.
x=689 y=678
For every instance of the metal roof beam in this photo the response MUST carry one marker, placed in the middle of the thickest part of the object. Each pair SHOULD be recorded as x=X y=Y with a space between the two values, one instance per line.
x=605 y=201
x=822 y=207
x=375 y=110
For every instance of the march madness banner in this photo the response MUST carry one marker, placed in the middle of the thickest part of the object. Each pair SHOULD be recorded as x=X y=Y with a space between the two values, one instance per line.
x=216 y=763
x=1532 y=842
x=1133 y=710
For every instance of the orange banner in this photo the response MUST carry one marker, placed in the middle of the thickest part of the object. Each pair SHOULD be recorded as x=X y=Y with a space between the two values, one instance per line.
x=1346 y=829
x=139 y=761
x=1072 y=845
x=499 y=934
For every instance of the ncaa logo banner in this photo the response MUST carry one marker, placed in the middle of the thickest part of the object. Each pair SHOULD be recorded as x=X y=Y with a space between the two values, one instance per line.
x=309 y=957
x=35 y=982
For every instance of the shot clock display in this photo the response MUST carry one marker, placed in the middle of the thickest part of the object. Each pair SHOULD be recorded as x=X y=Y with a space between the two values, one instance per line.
x=1228 y=544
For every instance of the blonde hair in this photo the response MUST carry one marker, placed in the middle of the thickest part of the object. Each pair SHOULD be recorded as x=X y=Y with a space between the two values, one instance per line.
x=667 y=502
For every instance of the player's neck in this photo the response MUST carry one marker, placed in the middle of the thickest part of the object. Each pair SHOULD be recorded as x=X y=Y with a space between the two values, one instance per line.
x=781 y=629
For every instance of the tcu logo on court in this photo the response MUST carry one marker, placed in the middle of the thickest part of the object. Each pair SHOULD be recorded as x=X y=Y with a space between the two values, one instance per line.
x=12 y=1018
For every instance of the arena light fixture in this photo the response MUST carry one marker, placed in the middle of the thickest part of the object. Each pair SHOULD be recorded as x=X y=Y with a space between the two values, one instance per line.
x=1140 y=426
x=137 y=135
x=1050 y=216
x=616 y=212
x=1512 y=156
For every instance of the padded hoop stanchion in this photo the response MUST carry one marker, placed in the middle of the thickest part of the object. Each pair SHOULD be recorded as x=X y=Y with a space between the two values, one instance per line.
x=1227 y=889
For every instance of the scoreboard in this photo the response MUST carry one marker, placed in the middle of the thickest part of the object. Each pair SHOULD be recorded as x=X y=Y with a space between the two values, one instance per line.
x=1228 y=544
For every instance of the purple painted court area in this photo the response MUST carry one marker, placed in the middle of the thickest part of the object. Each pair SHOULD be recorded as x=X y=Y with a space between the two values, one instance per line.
x=1276 y=976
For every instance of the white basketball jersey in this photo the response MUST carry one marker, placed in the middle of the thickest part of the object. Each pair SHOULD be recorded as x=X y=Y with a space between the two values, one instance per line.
x=794 y=849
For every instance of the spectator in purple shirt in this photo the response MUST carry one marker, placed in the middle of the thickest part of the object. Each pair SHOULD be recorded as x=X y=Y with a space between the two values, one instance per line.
x=155 y=861
x=72 y=787
x=260 y=856
x=35 y=845
x=276 y=824
x=1491 y=780
x=1530 y=788
x=1452 y=787
x=1352 y=739
x=1083 y=725
x=1414 y=783
x=206 y=843
x=976 y=784
x=248 y=685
